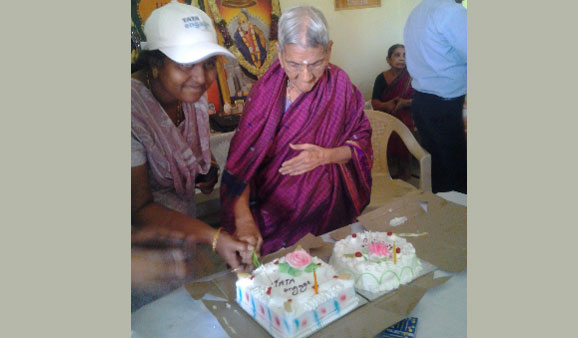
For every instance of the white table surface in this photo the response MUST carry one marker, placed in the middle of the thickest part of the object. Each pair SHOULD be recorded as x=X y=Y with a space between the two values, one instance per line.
x=441 y=312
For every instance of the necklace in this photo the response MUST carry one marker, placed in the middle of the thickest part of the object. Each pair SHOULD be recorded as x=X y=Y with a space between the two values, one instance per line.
x=288 y=90
x=292 y=88
x=180 y=114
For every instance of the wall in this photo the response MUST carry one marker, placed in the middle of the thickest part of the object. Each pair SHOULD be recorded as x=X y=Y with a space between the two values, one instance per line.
x=362 y=36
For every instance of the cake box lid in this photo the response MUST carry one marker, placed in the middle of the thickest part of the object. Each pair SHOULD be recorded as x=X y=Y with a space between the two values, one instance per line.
x=444 y=246
x=369 y=319
x=436 y=227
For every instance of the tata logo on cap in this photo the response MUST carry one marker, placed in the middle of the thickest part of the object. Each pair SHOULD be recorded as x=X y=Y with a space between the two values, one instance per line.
x=195 y=22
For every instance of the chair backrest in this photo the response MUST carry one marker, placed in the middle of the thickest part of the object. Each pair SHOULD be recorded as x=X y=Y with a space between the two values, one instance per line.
x=382 y=125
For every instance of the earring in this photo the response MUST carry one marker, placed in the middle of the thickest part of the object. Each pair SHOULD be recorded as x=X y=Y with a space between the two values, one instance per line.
x=155 y=73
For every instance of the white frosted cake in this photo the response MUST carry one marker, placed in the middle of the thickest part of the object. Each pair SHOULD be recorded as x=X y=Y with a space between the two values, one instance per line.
x=377 y=261
x=282 y=297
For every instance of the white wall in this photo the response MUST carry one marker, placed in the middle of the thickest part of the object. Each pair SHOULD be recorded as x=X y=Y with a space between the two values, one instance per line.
x=362 y=36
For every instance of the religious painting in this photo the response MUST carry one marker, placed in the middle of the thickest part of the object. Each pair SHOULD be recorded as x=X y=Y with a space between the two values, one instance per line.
x=135 y=40
x=248 y=28
x=356 y=4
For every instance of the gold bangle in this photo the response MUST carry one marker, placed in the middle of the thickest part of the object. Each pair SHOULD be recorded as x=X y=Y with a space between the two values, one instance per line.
x=215 y=238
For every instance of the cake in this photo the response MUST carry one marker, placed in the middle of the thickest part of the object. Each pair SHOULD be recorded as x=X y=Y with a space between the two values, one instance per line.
x=295 y=295
x=377 y=261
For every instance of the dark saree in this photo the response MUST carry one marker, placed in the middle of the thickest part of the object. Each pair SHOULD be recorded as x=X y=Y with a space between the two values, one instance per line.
x=286 y=208
x=400 y=87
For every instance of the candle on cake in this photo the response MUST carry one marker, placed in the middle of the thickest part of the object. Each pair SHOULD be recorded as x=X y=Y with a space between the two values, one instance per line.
x=315 y=282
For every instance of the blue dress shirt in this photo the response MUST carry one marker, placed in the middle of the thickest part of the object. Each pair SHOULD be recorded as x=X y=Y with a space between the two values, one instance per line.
x=435 y=37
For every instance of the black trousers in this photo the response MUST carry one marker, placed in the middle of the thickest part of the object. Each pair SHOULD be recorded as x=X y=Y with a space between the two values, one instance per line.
x=440 y=127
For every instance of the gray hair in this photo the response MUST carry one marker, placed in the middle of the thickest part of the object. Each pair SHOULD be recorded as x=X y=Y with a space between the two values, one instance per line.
x=301 y=21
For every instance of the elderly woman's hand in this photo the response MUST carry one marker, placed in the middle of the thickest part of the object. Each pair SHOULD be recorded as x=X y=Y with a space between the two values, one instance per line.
x=248 y=232
x=313 y=156
x=232 y=251
x=246 y=229
x=310 y=158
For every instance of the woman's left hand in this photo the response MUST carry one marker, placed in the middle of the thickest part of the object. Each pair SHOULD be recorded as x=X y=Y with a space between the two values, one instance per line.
x=310 y=158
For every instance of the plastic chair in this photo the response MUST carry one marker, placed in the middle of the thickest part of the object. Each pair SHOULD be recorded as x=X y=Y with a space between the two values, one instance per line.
x=384 y=188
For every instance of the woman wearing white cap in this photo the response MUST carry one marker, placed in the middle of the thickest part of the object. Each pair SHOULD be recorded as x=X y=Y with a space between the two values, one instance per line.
x=170 y=152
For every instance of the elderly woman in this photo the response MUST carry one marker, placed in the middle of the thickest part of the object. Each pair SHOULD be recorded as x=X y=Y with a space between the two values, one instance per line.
x=392 y=93
x=300 y=160
x=170 y=132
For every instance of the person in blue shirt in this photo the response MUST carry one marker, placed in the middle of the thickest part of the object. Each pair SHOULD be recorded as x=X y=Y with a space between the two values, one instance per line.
x=435 y=37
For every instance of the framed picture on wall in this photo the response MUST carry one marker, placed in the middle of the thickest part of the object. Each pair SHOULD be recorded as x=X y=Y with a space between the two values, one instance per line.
x=247 y=28
x=356 y=4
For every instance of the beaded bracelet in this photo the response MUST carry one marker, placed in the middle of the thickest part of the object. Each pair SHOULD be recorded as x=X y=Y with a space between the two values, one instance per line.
x=215 y=238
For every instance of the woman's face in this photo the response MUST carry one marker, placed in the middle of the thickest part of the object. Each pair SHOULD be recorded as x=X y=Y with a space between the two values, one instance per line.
x=243 y=22
x=187 y=82
x=397 y=59
x=304 y=66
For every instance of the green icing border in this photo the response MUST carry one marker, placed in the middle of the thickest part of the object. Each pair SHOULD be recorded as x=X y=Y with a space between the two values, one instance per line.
x=379 y=281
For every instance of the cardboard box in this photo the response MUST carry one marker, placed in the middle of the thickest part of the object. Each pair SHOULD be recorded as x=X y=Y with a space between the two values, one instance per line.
x=445 y=224
x=436 y=227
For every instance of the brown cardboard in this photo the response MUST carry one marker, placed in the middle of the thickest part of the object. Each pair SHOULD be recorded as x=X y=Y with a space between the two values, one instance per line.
x=376 y=316
x=198 y=289
x=444 y=245
x=368 y=319
x=323 y=252
x=340 y=233
x=311 y=241
x=429 y=282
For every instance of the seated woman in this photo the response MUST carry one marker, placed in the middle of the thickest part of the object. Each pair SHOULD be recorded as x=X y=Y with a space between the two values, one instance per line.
x=392 y=93
x=301 y=158
x=170 y=133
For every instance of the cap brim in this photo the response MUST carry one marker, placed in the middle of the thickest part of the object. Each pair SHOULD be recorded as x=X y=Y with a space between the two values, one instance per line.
x=195 y=52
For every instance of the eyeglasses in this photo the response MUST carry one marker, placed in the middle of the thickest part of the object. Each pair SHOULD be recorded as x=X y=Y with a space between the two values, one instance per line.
x=314 y=67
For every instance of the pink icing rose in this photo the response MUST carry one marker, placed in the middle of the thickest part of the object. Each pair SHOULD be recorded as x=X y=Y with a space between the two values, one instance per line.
x=298 y=259
x=379 y=249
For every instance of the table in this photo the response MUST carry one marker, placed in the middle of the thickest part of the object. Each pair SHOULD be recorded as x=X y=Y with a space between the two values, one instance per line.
x=441 y=312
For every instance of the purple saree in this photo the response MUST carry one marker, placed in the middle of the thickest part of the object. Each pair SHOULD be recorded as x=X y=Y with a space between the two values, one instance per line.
x=286 y=208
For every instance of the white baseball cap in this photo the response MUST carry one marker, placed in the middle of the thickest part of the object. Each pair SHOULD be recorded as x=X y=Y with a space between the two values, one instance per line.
x=182 y=32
